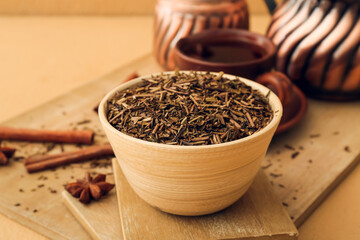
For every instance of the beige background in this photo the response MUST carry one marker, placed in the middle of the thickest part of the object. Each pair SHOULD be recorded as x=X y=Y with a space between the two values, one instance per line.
x=46 y=56
x=93 y=6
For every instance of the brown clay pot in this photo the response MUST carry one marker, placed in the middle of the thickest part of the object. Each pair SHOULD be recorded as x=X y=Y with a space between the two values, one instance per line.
x=175 y=19
x=318 y=46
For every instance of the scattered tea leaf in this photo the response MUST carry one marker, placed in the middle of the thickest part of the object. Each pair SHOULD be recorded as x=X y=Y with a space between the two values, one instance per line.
x=289 y=147
x=294 y=155
x=83 y=122
x=347 y=149
x=266 y=166
x=275 y=175
x=314 y=135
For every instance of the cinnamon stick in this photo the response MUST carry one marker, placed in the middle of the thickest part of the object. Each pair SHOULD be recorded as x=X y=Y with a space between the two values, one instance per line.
x=3 y=159
x=8 y=151
x=33 y=135
x=74 y=157
x=40 y=158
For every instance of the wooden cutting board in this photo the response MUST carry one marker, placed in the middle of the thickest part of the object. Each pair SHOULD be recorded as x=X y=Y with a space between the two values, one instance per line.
x=101 y=220
x=257 y=215
x=305 y=164
x=301 y=185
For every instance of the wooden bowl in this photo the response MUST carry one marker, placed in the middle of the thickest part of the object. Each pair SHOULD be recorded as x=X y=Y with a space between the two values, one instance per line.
x=190 y=180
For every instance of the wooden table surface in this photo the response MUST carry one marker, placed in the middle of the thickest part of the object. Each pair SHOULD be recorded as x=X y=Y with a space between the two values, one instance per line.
x=44 y=57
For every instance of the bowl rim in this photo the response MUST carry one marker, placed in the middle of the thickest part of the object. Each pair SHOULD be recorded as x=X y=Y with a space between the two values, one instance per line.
x=234 y=33
x=274 y=102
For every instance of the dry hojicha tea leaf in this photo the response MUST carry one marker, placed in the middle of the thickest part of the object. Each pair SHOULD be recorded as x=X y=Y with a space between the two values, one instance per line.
x=189 y=109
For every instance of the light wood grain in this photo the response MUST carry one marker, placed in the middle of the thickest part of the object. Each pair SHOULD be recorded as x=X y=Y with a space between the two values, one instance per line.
x=98 y=7
x=51 y=213
x=240 y=216
x=100 y=219
x=257 y=215
x=322 y=162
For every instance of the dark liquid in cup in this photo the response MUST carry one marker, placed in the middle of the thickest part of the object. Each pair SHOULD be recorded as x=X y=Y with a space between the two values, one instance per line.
x=226 y=52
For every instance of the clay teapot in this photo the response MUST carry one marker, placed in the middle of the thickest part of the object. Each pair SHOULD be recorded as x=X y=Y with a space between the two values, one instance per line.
x=318 y=46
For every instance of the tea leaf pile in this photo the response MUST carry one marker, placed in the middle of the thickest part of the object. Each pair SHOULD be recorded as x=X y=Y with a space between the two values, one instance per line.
x=189 y=109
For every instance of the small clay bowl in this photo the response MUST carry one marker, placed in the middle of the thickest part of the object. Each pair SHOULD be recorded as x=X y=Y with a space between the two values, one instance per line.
x=247 y=69
x=190 y=180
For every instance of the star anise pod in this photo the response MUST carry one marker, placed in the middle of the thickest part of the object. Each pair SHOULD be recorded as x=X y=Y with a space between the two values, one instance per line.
x=88 y=188
x=5 y=154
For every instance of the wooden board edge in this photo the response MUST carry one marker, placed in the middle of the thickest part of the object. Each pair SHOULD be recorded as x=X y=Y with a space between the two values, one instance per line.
x=116 y=171
x=26 y=222
x=280 y=236
x=68 y=201
x=326 y=192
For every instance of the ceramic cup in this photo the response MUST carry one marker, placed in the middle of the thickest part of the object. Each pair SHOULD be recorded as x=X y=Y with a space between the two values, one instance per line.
x=247 y=69
x=259 y=69
x=190 y=180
